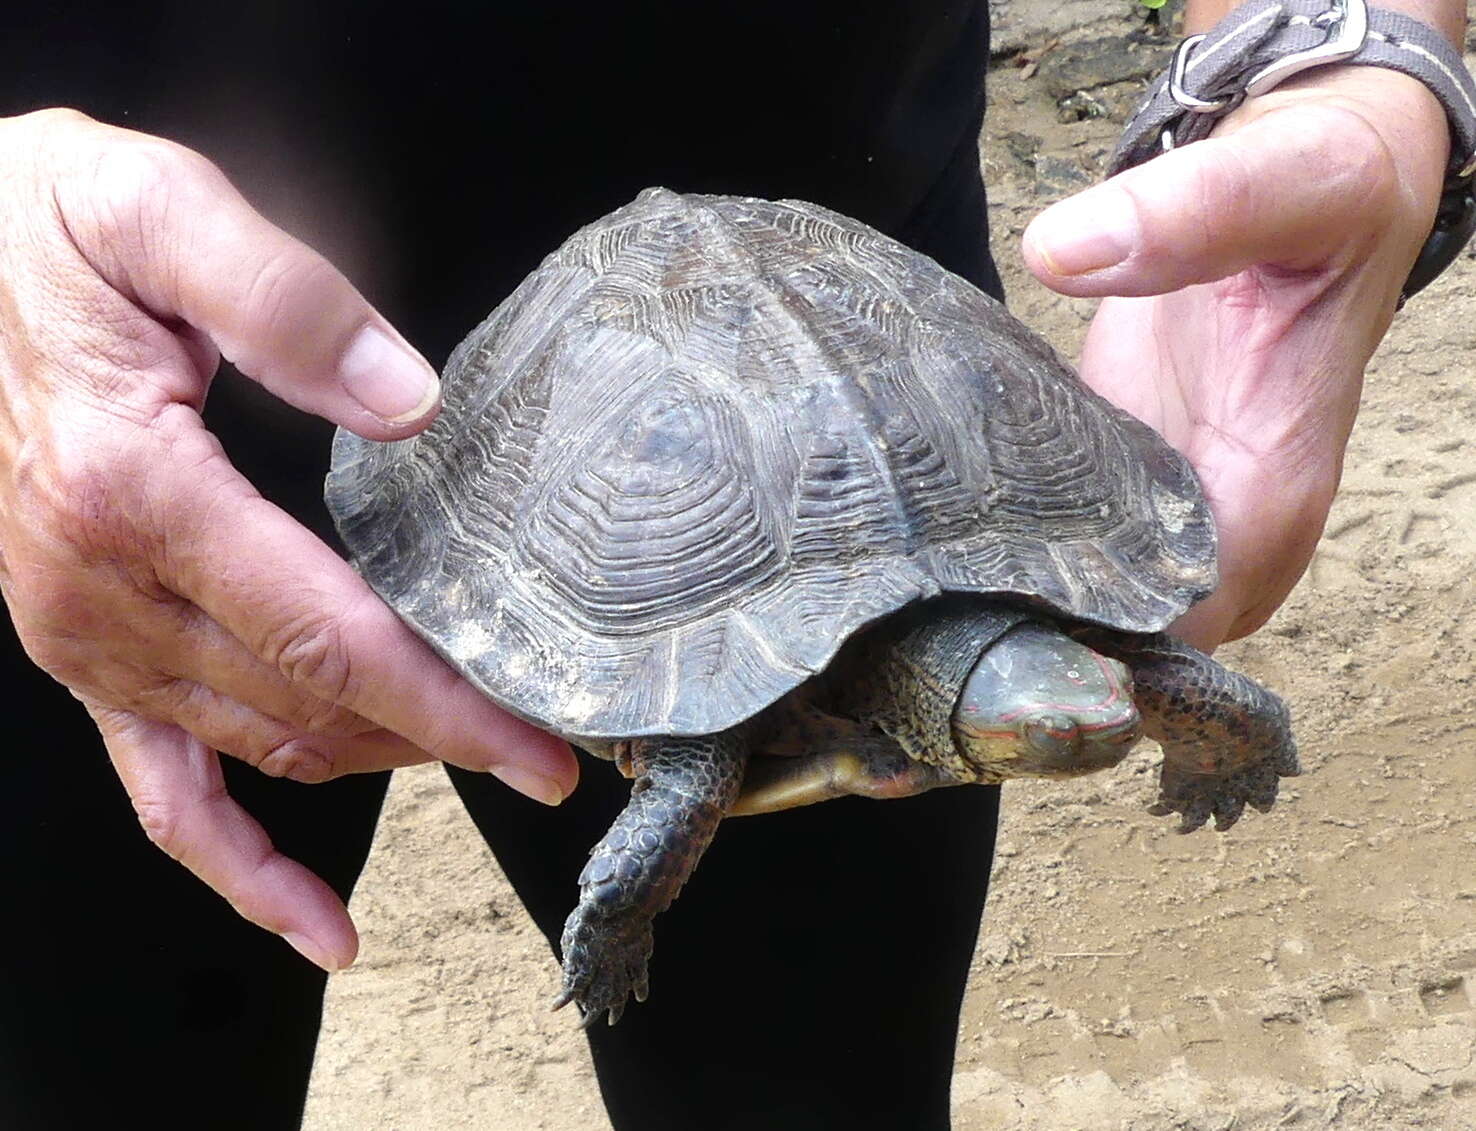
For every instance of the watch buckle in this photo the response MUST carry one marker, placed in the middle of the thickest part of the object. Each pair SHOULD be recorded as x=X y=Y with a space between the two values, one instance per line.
x=1347 y=23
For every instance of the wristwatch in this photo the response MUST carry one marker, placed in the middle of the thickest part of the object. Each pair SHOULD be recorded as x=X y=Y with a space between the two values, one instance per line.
x=1264 y=42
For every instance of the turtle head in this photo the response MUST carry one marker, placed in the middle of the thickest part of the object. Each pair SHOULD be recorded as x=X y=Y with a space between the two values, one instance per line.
x=1038 y=704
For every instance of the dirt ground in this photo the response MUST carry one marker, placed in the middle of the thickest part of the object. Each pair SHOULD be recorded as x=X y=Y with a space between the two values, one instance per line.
x=1314 y=968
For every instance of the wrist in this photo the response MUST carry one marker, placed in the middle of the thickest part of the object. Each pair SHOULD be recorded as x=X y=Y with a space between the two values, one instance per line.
x=1241 y=65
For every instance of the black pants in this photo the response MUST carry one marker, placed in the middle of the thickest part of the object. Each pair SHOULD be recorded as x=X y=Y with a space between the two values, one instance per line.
x=808 y=977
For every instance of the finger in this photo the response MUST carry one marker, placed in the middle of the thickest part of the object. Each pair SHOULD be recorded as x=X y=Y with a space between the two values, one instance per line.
x=303 y=611
x=167 y=229
x=102 y=632
x=190 y=645
x=1268 y=518
x=1300 y=192
x=269 y=744
x=176 y=787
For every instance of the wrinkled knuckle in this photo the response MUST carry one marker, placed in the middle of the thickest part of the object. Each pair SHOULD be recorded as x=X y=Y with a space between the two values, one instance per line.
x=41 y=130
x=311 y=653
x=318 y=716
x=1346 y=157
x=161 y=824
x=295 y=760
x=1346 y=149
x=138 y=173
x=442 y=742
x=133 y=189
x=52 y=115
x=281 y=294
x=49 y=121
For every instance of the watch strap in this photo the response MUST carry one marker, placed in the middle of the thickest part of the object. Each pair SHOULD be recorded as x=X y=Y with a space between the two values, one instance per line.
x=1263 y=42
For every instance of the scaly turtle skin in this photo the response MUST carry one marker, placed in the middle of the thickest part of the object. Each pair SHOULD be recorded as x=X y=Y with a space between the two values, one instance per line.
x=769 y=508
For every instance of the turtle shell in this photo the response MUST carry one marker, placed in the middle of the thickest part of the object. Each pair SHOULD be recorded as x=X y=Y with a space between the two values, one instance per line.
x=710 y=438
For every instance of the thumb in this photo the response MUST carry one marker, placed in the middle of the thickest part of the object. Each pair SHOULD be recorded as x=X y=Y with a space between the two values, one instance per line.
x=1299 y=190
x=165 y=228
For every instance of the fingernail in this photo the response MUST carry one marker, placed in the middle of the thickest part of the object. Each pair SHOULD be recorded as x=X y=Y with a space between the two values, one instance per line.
x=1086 y=233
x=534 y=785
x=389 y=380
x=311 y=951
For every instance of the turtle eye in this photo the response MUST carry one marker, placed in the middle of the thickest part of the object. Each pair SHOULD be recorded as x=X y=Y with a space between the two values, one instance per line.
x=1053 y=736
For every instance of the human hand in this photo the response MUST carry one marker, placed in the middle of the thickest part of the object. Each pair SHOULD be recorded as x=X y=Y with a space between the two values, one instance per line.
x=1290 y=231
x=142 y=571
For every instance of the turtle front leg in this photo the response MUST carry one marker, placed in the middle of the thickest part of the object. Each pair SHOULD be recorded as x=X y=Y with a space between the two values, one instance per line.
x=682 y=789
x=1227 y=741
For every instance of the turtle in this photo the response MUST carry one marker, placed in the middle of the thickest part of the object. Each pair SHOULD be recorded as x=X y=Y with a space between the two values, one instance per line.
x=769 y=508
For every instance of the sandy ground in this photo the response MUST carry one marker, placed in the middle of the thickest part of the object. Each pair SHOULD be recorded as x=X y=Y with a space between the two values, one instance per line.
x=1314 y=968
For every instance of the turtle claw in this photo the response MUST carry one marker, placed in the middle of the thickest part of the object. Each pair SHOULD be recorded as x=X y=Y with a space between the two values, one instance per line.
x=591 y=1017
x=605 y=960
x=1198 y=797
x=1288 y=765
x=587 y=1017
x=1193 y=812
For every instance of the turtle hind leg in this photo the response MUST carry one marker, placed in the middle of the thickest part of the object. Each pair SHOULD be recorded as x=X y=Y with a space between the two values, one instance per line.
x=1227 y=741
x=682 y=789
